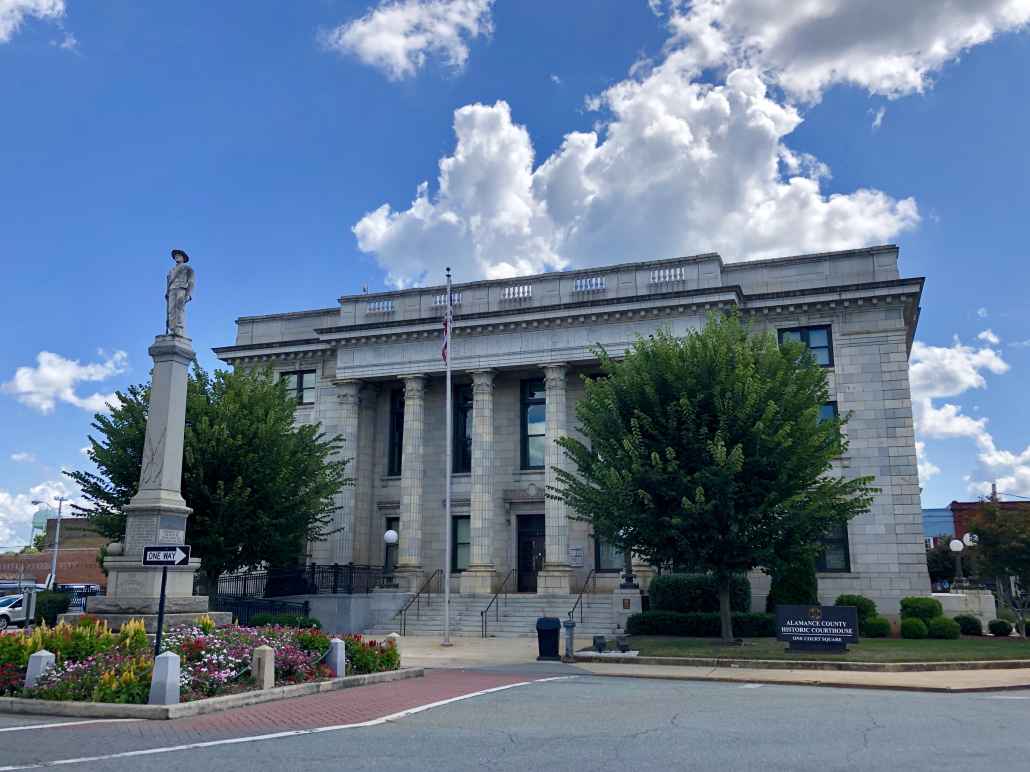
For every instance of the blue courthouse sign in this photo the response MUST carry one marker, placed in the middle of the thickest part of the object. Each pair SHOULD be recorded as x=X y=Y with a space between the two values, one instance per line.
x=817 y=628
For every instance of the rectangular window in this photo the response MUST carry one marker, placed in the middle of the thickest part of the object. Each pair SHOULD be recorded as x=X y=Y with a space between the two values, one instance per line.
x=395 y=440
x=462 y=429
x=461 y=543
x=818 y=340
x=835 y=557
x=534 y=424
x=827 y=411
x=301 y=386
x=607 y=557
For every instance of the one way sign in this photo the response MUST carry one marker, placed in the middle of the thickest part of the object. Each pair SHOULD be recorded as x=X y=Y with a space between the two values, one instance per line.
x=166 y=555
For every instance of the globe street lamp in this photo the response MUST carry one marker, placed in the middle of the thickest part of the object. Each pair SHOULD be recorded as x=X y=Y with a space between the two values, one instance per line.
x=57 y=539
x=629 y=581
x=957 y=546
x=390 y=539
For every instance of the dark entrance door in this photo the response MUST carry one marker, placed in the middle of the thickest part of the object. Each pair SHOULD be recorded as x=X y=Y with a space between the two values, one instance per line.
x=531 y=550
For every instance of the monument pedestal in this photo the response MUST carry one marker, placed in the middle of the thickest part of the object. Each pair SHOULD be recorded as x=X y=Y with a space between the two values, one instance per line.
x=625 y=603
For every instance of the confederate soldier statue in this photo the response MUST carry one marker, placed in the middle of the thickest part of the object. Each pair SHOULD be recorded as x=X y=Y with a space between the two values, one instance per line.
x=181 y=281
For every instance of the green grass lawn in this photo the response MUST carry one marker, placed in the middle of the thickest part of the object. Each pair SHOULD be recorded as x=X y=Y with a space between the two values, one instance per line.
x=869 y=650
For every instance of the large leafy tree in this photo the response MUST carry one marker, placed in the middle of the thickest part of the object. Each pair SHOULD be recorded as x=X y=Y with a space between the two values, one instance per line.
x=259 y=485
x=709 y=451
x=1003 y=551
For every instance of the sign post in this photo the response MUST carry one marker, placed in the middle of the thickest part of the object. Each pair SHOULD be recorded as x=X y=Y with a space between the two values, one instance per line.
x=817 y=628
x=164 y=555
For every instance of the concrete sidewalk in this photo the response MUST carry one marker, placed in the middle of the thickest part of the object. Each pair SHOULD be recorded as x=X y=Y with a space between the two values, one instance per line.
x=492 y=652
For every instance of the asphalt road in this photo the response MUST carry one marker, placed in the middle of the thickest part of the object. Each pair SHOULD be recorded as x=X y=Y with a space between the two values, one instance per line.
x=596 y=723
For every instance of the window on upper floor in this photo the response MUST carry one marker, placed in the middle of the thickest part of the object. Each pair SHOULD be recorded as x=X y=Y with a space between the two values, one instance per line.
x=301 y=385
x=534 y=424
x=835 y=557
x=462 y=429
x=817 y=338
x=827 y=411
x=395 y=439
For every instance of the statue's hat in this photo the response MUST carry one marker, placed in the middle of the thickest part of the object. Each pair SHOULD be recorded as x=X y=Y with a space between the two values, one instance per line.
x=186 y=258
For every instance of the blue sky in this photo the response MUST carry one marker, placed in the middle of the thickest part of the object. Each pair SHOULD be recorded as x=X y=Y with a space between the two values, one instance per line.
x=284 y=149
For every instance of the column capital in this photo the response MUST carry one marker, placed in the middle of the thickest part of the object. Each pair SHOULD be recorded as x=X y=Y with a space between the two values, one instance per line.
x=348 y=390
x=554 y=375
x=483 y=380
x=414 y=386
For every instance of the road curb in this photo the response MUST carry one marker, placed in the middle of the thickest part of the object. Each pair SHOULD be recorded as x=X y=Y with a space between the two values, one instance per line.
x=778 y=664
x=799 y=682
x=22 y=706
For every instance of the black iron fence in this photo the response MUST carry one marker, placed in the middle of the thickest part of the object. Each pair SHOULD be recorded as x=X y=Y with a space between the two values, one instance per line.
x=313 y=579
x=80 y=594
x=243 y=610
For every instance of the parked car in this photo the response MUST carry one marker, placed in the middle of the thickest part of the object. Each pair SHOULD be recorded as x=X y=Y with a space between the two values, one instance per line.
x=12 y=611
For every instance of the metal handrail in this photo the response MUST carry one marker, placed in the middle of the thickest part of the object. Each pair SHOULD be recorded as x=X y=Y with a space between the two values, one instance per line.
x=403 y=613
x=579 y=599
x=497 y=611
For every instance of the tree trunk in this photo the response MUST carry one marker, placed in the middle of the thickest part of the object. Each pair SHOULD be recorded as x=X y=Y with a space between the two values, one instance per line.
x=725 y=616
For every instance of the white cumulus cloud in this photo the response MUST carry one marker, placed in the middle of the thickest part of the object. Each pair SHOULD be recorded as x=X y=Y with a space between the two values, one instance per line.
x=23 y=457
x=988 y=336
x=14 y=12
x=16 y=509
x=54 y=379
x=398 y=37
x=882 y=46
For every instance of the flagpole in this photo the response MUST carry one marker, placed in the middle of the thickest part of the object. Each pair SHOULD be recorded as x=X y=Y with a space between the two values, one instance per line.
x=449 y=420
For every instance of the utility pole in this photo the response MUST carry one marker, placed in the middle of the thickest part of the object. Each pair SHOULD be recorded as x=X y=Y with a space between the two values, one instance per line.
x=57 y=539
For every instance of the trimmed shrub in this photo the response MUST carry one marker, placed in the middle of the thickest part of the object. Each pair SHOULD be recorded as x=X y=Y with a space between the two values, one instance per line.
x=265 y=619
x=876 y=627
x=866 y=607
x=999 y=627
x=969 y=625
x=51 y=604
x=1007 y=614
x=794 y=585
x=913 y=627
x=944 y=628
x=919 y=607
x=700 y=624
x=696 y=592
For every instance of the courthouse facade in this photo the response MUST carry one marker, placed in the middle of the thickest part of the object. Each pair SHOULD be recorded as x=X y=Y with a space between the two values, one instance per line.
x=370 y=369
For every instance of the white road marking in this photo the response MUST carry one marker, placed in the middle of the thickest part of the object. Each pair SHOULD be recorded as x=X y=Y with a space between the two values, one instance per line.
x=751 y=686
x=277 y=735
x=68 y=723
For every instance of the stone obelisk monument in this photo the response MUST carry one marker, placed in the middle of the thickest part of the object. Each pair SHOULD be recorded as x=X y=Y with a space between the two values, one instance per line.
x=157 y=514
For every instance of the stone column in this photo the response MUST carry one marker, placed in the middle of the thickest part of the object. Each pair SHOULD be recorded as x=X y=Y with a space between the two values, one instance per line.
x=555 y=578
x=478 y=577
x=341 y=543
x=409 y=553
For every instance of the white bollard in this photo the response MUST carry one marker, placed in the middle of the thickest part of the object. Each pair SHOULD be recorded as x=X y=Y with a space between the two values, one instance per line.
x=262 y=665
x=39 y=663
x=396 y=641
x=337 y=658
x=164 y=683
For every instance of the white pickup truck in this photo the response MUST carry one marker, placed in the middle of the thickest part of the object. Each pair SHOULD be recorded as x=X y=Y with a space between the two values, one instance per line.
x=12 y=611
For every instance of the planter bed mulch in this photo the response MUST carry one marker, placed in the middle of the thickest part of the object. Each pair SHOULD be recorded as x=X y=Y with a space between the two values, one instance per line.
x=199 y=707
x=810 y=664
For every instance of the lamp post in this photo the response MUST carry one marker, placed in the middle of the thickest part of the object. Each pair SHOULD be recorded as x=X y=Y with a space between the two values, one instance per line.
x=629 y=581
x=957 y=546
x=57 y=539
x=390 y=539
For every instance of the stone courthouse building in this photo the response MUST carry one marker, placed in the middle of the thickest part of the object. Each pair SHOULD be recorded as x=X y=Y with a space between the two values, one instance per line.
x=370 y=369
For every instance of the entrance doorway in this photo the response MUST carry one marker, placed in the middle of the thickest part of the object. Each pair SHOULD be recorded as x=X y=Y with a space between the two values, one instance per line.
x=531 y=550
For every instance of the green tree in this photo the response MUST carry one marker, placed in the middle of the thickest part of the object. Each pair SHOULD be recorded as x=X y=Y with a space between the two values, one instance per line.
x=260 y=487
x=1004 y=552
x=709 y=451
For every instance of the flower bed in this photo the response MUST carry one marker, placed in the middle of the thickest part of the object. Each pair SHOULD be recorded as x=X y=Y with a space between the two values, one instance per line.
x=93 y=664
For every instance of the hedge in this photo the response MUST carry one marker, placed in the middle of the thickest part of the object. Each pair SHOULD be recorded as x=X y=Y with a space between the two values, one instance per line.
x=876 y=627
x=284 y=620
x=969 y=625
x=913 y=627
x=865 y=606
x=696 y=592
x=942 y=627
x=793 y=585
x=920 y=607
x=700 y=624
x=49 y=605
x=999 y=627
